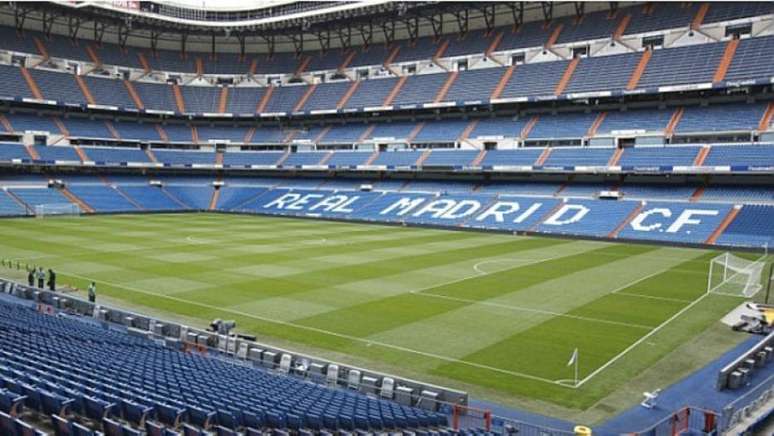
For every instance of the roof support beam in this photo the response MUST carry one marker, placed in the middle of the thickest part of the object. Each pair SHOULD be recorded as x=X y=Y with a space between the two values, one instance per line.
x=367 y=33
x=548 y=10
x=73 y=27
x=462 y=21
x=99 y=32
x=388 y=28
x=345 y=36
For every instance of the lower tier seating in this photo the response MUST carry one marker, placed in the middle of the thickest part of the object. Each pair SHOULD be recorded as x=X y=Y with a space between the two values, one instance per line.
x=68 y=367
x=657 y=212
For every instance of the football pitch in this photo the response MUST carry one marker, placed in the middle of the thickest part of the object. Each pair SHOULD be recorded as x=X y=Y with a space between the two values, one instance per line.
x=495 y=314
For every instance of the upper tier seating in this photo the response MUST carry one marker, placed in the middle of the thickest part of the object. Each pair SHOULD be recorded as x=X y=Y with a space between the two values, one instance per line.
x=752 y=58
x=82 y=127
x=179 y=132
x=499 y=127
x=579 y=156
x=441 y=131
x=108 y=92
x=397 y=130
x=420 y=89
x=156 y=96
x=741 y=194
x=284 y=98
x=201 y=99
x=223 y=63
x=450 y=158
x=664 y=15
x=474 y=84
x=656 y=156
x=13 y=151
x=184 y=157
x=58 y=86
x=119 y=371
x=398 y=158
x=345 y=158
x=302 y=158
x=137 y=131
x=523 y=157
x=721 y=118
x=326 y=95
x=14 y=85
x=574 y=125
x=230 y=133
x=349 y=133
x=115 y=155
x=371 y=93
x=650 y=120
x=761 y=155
x=54 y=153
x=603 y=73
x=593 y=25
x=534 y=79
x=243 y=159
x=688 y=64
x=244 y=100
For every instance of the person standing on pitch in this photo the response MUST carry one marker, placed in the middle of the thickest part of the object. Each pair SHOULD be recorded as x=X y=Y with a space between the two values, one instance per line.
x=51 y=280
x=41 y=276
x=30 y=277
x=92 y=292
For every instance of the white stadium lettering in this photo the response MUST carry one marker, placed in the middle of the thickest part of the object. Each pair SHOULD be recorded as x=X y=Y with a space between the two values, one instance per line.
x=343 y=207
x=687 y=218
x=437 y=208
x=528 y=213
x=404 y=206
x=303 y=201
x=637 y=222
x=499 y=210
x=329 y=203
x=283 y=201
x=462 y=209
x=578 y=210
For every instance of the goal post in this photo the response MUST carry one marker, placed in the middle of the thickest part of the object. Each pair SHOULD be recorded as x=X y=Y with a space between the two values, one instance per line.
x=732 y=275
x=57 y=209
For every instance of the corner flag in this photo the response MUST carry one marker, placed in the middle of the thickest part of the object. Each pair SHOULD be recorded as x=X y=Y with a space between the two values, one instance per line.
x=573 y=358
x=574 y=362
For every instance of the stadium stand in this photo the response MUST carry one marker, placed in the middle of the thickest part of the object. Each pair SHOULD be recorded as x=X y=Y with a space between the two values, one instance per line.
x=67 y=362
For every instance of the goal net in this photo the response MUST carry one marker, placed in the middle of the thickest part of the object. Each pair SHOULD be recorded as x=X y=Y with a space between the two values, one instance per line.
x=57 y=209
x=732 y=275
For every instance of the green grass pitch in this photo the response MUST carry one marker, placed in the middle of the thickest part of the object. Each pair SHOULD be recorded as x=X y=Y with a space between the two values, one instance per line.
x=498 y=315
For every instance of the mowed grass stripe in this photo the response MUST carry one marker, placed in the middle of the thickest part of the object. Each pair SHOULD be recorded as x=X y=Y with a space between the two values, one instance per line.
x=307 y=281
x=138 y=258
x=552 y=342
x=481 y=323
x=377 y=316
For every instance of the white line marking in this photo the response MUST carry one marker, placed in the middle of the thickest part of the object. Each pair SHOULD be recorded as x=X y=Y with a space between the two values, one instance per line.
x=368 y=342
x=527 y=309
x=653 y=297
x=639 y=341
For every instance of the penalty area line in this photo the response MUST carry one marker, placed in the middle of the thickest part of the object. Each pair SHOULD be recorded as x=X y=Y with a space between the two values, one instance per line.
x=365 y=341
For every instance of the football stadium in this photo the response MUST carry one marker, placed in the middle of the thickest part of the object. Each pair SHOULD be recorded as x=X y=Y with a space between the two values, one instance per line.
x=373 y=217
